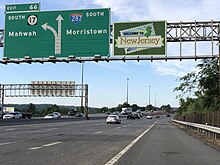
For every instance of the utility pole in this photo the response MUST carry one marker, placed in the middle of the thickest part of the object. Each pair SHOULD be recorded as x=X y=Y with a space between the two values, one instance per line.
x=127 y=91
x=82 y=90
x=149 y=94
x=219 y=64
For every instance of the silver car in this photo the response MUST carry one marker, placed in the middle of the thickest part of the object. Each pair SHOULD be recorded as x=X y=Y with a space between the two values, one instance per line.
x=113 y=119
x=13 y=115
x=52 y=116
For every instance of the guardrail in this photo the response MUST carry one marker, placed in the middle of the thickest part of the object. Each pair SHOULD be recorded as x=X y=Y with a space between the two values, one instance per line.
x=205 y=129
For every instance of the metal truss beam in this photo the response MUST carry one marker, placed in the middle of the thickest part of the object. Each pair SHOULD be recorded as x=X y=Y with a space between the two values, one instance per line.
x=24 y=90
x=193 y=31
x=1 y=37
x=206 y=31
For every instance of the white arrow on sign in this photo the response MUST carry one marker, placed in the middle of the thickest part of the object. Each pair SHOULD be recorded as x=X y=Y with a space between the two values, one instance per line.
x=56 y=35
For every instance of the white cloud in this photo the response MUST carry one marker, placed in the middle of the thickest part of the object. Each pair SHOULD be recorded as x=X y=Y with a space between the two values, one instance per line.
x=174 y=68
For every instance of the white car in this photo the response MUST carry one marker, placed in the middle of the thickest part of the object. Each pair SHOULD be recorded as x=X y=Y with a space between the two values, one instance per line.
x=13 y=115
x=52 y=116
x=57 y=114
x=113 y=119
x=149 y=117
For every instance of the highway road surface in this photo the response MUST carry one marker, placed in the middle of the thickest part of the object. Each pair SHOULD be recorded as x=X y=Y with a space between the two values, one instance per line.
x=93 y=142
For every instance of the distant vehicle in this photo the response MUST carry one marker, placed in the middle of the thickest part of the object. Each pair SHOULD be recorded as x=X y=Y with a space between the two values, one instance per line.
x=136 y=115
x=79 y=114
x=72 y=112
x=130 y=116
x=139 y=112
x=115 y=113
x=57 y=114
x=126 y=111
x=13 y=115
x=108 y=112
x=149 y=117
x=133 y=115
x=168 y=115
x=157 y=116
x=26 y=115
x=51 y=116
x=113 y=119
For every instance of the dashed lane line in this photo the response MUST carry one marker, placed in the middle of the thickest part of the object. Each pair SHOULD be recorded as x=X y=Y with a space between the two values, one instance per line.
x=51 y=144
x=45 y=145
x=6 y=143
x=99 y=132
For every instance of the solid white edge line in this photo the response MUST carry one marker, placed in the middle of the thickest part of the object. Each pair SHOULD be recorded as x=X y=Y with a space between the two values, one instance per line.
x=34 y=148
x=51 y=144
x=122 y=152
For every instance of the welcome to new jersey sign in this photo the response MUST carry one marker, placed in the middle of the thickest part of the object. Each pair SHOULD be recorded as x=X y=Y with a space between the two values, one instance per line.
x=79 y=33
x=140 y=38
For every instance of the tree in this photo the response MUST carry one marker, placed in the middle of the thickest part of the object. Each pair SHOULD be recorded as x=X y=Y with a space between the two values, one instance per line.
x=203 y=86
x=31 y=108
x=166 y=108
x=134 y=107
x=51 y=109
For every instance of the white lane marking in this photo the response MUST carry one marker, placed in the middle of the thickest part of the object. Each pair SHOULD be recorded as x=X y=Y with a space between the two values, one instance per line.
x=51 y=144
x=1 y=144
x=117 y=127
x=10 y=129
x=99 y=132
x=50 y=129
x=34 y=148
x=125 y=125
x=122 y=152
x=46 y=145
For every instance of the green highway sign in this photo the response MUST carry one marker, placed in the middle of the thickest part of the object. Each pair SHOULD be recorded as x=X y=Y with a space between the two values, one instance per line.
x=140 y=38
x=22 y=7
x=79 y=33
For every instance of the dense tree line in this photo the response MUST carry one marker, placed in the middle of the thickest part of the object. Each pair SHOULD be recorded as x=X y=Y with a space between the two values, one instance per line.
x=199 y=89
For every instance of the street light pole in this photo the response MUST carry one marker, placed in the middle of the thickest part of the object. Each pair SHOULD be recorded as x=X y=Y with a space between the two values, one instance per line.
x=149 y=94
x=82 y=109
x=127 y=91
x=219 y=65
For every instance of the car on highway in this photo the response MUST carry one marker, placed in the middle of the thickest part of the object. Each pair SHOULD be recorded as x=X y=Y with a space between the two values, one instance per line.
x=168 y=115
x=113 y=119
x=72 y=112
x=78 y=114
x=136 y=115
x=149 y=117
x=12 y=115
x=52 y=116
x=57 y=114
x=130 y=116
x=139 y=112
x=133 y=115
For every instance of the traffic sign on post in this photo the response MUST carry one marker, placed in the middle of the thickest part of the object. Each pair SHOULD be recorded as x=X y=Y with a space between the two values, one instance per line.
x=79 y=33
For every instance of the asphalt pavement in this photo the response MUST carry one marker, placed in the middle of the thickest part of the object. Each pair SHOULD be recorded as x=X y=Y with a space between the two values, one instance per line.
x=93 y=142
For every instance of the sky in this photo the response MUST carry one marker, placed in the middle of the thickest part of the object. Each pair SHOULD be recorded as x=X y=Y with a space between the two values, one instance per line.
x=108 y=81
